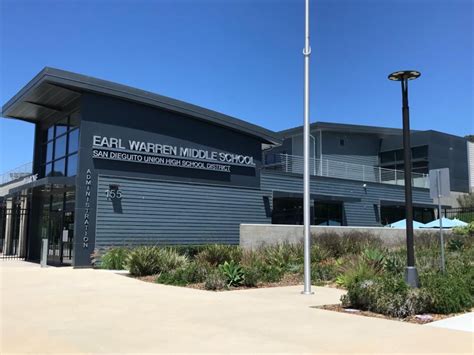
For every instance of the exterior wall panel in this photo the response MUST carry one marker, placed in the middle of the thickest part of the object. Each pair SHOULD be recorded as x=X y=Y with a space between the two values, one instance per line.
x=159 y=212
x=363 y=213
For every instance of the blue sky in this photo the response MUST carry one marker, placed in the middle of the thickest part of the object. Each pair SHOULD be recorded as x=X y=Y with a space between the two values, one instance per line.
x=243 y=57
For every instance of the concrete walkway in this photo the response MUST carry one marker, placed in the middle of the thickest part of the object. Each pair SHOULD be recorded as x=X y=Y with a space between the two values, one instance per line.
x=61 y=310
x=464 y=322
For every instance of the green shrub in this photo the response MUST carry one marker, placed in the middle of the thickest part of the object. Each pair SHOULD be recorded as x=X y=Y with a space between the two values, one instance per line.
x=374 y=258
x=191 y=273
x=171 y=278
x=267 y=272
x=282 y=256
x=114 y=259
x=389 y=295
x=232 y=272
x=271 y=273
x=448 y=293
x=170 y=259
x=355 y=270
x=143 y=261
x=214 y=281
x=146 y=260
x=216 y=254
x=439 y=293
x=189 y=251
x=394 y=263
x=252 y=276
x=324 y=271
x=455 y=244
x=335 y=245
x=427 y=240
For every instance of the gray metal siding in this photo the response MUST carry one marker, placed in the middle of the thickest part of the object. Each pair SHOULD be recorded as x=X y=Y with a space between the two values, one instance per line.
x=360 y=149
x=360 y=213
x=159 y=212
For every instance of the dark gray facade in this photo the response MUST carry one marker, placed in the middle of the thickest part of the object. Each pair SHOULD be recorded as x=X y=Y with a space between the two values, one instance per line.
x=118 y=166
x=444 y=151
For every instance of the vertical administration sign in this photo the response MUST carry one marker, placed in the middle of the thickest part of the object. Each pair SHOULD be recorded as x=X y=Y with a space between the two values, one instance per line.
x=87 y=205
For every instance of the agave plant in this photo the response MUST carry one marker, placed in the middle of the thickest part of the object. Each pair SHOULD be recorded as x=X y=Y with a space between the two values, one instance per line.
x=374 y=258
x=232 y=272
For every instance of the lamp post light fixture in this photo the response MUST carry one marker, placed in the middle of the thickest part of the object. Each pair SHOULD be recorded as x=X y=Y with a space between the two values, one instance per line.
x=411 y=274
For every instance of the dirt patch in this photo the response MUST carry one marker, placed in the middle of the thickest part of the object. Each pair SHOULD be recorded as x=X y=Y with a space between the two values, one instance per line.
x=417 y=319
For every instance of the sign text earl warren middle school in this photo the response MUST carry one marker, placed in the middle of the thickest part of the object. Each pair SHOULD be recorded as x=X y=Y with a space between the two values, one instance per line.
x=111 y=148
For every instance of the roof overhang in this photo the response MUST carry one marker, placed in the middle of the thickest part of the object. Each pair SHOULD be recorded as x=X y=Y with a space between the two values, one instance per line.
x=317 y=197
x=415 y=204
x=343 y=128
x=54 y=90
x=50 y=180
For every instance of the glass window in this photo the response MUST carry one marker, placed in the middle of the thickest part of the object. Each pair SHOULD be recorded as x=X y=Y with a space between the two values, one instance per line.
x=287 y=211
x=72 y=165
x=50 y=133
x=48 y=170
x=59 y=167
x=73 y=141
x=61 y=126
x=387 y=157
x=60 y=148
x=49 y=152
x=328 y=214
x=420 y=152
x=399 y=155
x=70 y=199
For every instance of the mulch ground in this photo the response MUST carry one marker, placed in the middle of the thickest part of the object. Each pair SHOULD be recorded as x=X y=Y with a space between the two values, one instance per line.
x=412 y=319
x=288 y=280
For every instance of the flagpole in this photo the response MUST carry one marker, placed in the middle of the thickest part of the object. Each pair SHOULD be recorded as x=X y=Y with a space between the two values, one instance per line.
x=306 y=172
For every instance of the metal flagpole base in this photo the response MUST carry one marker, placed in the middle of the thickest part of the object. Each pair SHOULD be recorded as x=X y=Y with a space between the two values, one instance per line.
x=411 y=276
x=307 y=293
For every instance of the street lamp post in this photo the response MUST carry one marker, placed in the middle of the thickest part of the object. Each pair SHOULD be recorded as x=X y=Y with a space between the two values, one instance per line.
x=411 y=274
x=306 y=152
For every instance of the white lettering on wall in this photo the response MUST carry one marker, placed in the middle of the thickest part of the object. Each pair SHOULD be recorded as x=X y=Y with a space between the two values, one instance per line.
x=112 y=148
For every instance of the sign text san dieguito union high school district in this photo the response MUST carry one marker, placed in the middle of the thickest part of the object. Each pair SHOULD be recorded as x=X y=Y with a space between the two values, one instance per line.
x=111 y=148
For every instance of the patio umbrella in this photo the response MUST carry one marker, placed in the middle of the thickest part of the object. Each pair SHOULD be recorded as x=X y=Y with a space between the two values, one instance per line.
x=403 y=224
x=447 y=223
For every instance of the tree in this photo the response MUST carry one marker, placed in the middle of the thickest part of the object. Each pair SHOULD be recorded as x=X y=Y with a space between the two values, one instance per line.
x=466 y=200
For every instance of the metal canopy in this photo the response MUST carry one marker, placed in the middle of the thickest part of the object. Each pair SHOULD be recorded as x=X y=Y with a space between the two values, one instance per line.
x=50 y=180
x=52 y=90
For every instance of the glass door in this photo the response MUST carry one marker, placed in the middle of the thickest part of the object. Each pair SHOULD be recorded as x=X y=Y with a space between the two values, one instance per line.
x=67 y=238
x=54 y=240
x=58 y=224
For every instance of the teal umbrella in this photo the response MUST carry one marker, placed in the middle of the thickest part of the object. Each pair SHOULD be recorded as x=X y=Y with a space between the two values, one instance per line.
x=447 y=223
x=403 y=224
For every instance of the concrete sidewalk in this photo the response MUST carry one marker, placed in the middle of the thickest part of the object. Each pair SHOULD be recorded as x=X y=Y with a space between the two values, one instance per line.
x=61 y=310
x=464 y=322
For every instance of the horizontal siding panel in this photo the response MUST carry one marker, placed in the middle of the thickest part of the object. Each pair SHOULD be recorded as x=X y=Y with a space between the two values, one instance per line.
x=162 y=213
x=357 y=213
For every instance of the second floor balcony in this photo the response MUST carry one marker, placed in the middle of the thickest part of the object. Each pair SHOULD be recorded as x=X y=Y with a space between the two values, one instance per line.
x=343 y=170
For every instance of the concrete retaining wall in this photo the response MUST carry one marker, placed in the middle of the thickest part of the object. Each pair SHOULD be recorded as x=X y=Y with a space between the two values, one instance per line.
x=255 y=235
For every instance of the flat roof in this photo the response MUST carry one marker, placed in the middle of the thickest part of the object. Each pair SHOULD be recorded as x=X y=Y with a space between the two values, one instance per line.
x=53 y=90
x=342 y=127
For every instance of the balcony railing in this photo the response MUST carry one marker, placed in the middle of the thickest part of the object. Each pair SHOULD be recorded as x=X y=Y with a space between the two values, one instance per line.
x=19 y=172
x=342 y=170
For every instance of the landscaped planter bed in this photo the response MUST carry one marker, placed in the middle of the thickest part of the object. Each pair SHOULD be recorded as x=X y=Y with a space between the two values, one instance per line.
x=372 y=274
x=417 y=319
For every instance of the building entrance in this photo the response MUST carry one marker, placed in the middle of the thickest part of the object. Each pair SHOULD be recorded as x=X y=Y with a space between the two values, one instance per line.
x=57 y=223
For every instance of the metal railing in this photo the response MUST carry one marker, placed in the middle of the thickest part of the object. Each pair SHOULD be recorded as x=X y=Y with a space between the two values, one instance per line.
x=19 y=172
x=342 y=170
